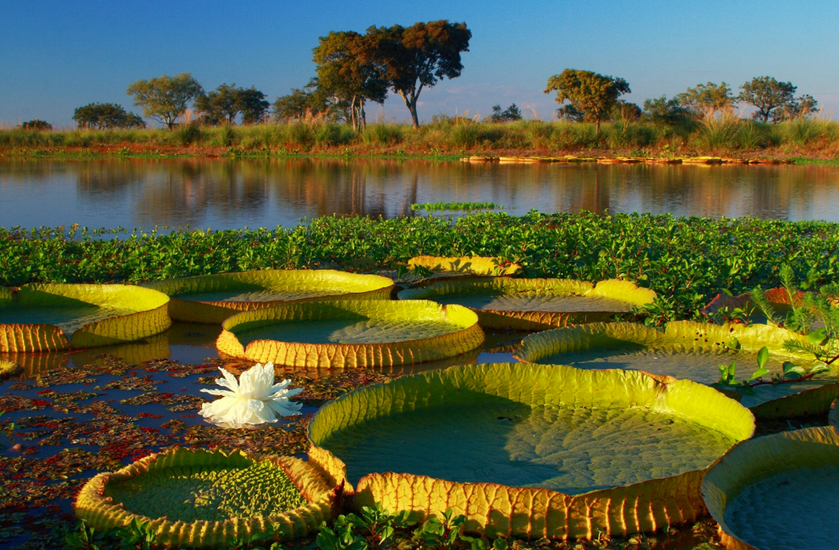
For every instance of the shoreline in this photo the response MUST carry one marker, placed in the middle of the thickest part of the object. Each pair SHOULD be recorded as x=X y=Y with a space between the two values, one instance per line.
x=128 y=150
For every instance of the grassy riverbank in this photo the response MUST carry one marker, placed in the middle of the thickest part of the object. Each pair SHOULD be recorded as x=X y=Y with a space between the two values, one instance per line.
x=803 y=138
x=686 y=261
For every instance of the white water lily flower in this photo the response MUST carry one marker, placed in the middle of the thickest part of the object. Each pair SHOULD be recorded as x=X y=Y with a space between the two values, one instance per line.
x=253 y=399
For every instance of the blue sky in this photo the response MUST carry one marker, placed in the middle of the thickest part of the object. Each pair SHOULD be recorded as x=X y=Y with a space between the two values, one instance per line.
x=59 y=55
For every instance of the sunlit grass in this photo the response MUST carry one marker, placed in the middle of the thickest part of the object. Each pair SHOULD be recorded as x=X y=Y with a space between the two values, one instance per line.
x=725 y=133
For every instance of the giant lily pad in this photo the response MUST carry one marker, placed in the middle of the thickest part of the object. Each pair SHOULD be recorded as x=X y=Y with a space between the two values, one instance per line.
x=691 y=351
x=533 y=450
x=464 y=265
x=198 y=498
x=535 y=304
x=353 y=333
x=48 y=317
x=214 y=298
x=777 y=492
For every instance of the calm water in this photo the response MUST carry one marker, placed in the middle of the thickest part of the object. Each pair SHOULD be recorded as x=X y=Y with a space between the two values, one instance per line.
x=224 y=193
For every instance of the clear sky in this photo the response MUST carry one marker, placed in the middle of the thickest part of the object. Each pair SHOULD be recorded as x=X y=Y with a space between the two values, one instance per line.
x=59 y=55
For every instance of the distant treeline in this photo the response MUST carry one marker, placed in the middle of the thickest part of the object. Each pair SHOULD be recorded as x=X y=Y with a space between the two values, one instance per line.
x=353 y=69
x=800 y=137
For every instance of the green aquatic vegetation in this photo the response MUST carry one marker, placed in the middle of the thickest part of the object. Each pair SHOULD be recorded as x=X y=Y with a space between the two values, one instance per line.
x=455 y=206
x=684 y=260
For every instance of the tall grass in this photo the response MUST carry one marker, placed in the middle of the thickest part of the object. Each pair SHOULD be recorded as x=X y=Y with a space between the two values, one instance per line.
x=461 y=134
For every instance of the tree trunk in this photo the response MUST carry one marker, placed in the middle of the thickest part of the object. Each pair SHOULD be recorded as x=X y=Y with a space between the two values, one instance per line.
x=411 y=104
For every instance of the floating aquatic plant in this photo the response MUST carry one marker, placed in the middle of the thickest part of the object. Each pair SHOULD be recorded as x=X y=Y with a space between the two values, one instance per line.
x=253 y=399
x=530 y=450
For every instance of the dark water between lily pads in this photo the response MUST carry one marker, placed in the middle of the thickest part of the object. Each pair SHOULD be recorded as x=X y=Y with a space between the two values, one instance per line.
x=229 y=193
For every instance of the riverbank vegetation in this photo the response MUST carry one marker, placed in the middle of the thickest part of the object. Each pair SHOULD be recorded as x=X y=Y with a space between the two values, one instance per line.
x=686 y=261
x=462 y=135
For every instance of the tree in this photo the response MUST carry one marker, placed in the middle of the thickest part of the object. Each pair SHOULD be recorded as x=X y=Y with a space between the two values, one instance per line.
x=768 y=96
x=104 y=116
x=801 y=107
x=312 y=101
x=227 y=101
x=36 y=124
x=775 y=100
x=569 y=113
x=252 y=105
x=419 y=56
x=591 y=94
x=349 y=70
x=165 y=98
x=665 y=111
x=510 y=114
x=626 y=111
x=706 y=99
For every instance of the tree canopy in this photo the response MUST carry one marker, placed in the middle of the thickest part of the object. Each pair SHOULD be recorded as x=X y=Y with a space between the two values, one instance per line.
x=775 y=100
x=510 y=114
x=309 y=103
x=349 y=71
x=165 y=98
x=105 y=116
x=665 y=111
x=226 y=102
x=419 y=56
x=589 y=93
x=705 y=100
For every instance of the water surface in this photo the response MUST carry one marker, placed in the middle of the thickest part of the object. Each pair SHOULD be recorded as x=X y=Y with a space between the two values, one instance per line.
x=232 y=194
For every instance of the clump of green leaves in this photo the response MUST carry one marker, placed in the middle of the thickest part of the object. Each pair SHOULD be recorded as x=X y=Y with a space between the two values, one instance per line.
x=373 y=529
x=134 y=536
x=455 y=206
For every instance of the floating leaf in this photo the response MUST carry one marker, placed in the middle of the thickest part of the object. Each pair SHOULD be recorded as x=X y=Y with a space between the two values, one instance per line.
x=355 y=333
x=214 y=298
x=45 y=317
x=535 y=304
x=447 y=440
x=692 y=351
x=201 y=498
x=763 y=479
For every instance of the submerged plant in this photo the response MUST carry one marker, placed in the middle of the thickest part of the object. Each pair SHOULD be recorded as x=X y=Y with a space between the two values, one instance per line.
x=253 y=399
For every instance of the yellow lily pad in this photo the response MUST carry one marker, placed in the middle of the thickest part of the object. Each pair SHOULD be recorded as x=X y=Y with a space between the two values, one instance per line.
x=464 y=265
x=49 y=317
x=213 y=298
x=532 y=450
x=535 y=304
x=205 y=499
x=692 y=351
x=778 y=491
x=352 y=333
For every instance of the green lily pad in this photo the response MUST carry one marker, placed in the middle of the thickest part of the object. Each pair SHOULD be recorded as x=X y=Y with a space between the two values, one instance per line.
x=692 y=351
x=535 y=304
x=199 y=498
x=353 y=333
x=214 y=298
x=48 y=317
x=777 y=492
x=531 y=449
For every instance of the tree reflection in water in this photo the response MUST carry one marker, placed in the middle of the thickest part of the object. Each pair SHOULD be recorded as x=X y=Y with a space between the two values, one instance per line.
x=230 y=193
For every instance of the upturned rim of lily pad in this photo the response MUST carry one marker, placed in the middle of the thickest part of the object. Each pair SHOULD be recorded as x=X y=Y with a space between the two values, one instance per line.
x=613 y=289
x=760 y=458
x=501 y=510
x=368 y=287
x=488 y=266
x=690 y=336
x=149 y=317
x=466 y=336
x=318 y=489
